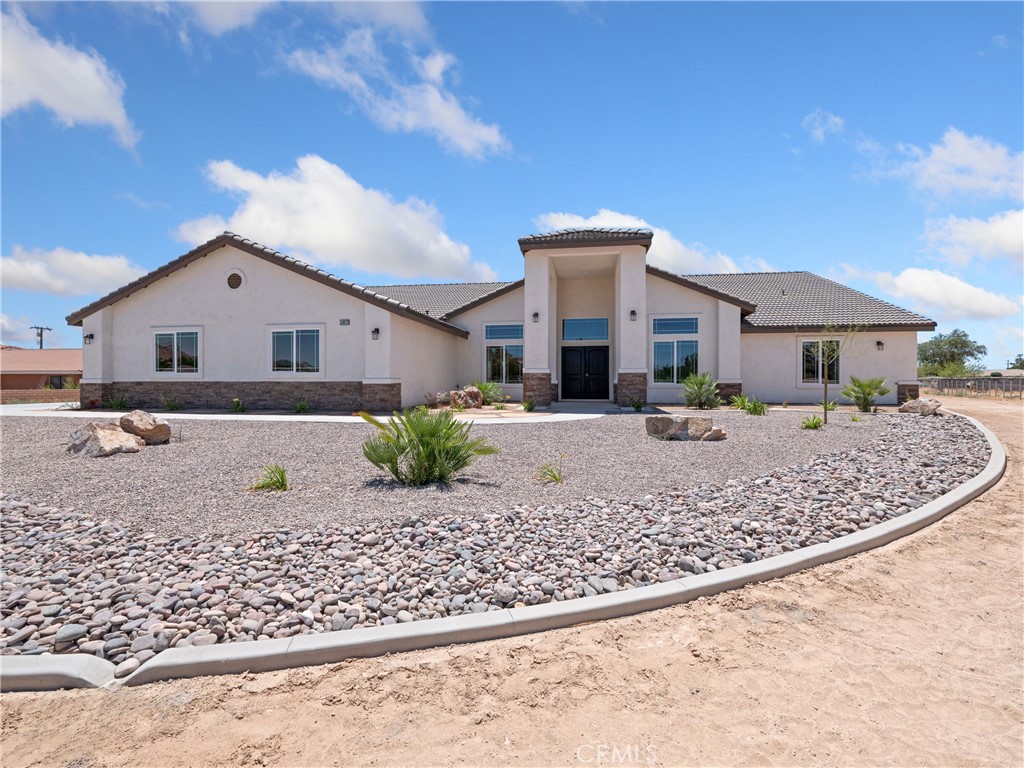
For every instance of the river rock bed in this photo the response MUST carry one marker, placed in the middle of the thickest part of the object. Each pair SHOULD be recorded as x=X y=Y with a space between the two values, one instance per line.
x=74 y=584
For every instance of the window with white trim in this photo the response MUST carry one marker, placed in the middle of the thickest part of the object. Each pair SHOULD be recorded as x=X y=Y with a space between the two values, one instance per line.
x=295 y=350
x=677 y=356
x=812 y=364
x=176 y=352
x=504 y=361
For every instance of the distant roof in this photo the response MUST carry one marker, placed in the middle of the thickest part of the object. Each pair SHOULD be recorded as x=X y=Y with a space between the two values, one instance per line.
x=55 y=361
x=441 y=299
x=274 y=257
x=587 y=236
x=804 y=300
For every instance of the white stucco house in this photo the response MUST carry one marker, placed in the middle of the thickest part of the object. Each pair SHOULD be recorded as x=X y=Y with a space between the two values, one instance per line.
x=590 y=320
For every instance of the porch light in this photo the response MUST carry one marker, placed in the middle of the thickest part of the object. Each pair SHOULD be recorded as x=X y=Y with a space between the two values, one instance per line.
x=632 y=315
x=536 y=317
x=88 y=338
x=879 y=345
x=375 y=333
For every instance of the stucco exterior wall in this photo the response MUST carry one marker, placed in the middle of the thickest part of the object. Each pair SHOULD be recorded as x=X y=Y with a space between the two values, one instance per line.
x=771 y=364
x=668 y=299
x=422 y=359
x=470 y=353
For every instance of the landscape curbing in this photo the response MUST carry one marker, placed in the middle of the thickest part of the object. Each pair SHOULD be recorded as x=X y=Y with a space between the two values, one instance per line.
x=49 y=672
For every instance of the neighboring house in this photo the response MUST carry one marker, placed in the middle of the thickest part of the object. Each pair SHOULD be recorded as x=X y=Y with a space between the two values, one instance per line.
x=590 y=320
x=39 y=368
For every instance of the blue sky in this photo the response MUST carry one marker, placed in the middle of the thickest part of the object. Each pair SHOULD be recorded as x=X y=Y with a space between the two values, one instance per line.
x=877 y=144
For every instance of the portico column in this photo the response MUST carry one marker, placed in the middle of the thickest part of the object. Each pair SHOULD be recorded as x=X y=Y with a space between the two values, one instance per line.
x=631 y=334
x=538 y=296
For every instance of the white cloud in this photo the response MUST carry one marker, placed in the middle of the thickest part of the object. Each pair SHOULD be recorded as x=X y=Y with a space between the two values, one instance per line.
x=965 y=165
x=220 y=17
x=359 y=68
x=405 y=17
x=16 y=329
x=938 y=294
x=667 y=251
x=64 y=272
x=962 y=240
x=77 y=86
x=820 y=124
x=321 y=214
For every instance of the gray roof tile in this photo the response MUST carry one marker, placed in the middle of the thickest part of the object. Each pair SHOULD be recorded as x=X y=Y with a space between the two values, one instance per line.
x=587 y=236
x=788 y=299
x=438 y=299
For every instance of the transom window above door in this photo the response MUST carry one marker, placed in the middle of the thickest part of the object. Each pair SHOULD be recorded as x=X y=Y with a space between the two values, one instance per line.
x=585 y=329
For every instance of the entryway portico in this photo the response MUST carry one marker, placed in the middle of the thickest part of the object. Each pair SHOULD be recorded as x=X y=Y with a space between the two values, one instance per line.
x=586 y=315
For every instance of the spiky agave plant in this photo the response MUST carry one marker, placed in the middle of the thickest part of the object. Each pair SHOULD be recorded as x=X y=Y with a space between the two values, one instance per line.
x=419 y=447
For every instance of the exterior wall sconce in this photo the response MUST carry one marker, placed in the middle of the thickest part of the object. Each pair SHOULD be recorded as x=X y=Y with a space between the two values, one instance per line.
x=536 y=317
x=88 y=338
x=879 y=345
x=375 y=333
x=632 y=315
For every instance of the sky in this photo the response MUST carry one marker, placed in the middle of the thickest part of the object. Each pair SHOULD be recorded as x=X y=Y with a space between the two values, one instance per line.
x=875 y=144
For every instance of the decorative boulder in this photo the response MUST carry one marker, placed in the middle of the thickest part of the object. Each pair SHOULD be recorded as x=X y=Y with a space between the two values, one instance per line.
x=678 y=427
x=98 y=439
x=925 y=406
x=470 y=397
x=153 y=430
x=716 y=433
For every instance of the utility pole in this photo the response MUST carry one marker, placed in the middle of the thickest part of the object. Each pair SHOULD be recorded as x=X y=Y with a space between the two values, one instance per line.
x=40 y=330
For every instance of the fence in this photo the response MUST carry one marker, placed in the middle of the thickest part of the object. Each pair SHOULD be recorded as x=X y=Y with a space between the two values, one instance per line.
x=997 y=386
x=39 y=396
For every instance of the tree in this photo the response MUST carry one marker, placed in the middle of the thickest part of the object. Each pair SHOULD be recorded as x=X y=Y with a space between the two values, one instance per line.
x=1018 y=363
x=953 y=351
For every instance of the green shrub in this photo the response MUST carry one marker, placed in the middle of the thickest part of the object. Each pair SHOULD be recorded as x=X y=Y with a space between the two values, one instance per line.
x=995 y=374
x=274 y=478
x=170 y=404
x=529 y=405
x=636 y=403
x=491 y=390
x=501 y=405
x=237 y=406
x=457 y=407
x=739 y=402
x=302 y=406
x=855 y=417
x=864 y=391
x=755 y=407
x=419 y=447
x=76 y=384
x=552 y=473
x=116 y=402
x=833 y=405
x=812 y=422
x=701 y=391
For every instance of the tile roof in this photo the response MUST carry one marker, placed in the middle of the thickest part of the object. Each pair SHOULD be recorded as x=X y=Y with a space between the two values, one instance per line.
x=587 y=236
x=274 y=257
x=56 y=361
x=803 y=299
x=439 y=299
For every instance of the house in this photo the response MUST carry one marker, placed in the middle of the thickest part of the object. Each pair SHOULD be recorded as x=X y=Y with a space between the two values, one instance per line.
x=26 y=369
x=590 y=320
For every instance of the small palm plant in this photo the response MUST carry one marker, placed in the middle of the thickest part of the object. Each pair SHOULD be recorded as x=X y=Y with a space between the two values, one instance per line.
x=274 y=478
x=864 y=391
x=491 y=390
x=419 y=447
x=700 y=391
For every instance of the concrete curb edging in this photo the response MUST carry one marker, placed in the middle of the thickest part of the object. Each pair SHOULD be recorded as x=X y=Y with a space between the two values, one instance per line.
x=49 y=672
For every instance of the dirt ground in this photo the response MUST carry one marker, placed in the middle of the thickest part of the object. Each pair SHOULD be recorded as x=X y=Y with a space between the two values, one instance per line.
x=908 y=655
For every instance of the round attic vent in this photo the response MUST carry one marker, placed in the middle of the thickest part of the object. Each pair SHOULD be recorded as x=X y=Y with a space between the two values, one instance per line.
x=234 y=280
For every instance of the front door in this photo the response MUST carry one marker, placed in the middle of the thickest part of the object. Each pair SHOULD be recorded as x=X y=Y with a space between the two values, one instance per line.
x=584 y=373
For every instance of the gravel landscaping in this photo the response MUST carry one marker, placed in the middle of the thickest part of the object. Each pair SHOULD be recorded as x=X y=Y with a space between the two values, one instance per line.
x=74 y=583
x=198 y=485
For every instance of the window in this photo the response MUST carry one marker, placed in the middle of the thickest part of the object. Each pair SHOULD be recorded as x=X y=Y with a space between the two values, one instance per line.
x=177 y=352
x=57 y=382
x=674 y=361
x=674 y=325
x=503 y=332
x=504 y=362
x=810 y=361
x=295 y=351
x=585 y=329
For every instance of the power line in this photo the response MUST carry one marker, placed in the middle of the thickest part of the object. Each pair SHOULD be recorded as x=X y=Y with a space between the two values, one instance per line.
x=40 y=330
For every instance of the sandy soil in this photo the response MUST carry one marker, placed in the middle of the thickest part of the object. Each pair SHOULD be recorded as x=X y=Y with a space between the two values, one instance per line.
x=908 y=655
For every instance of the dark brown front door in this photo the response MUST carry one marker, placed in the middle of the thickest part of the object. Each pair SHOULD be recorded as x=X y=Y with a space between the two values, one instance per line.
x=584 y=373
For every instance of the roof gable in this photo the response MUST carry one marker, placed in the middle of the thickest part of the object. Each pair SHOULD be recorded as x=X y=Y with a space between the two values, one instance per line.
x=274 y=257
x=587 y=237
